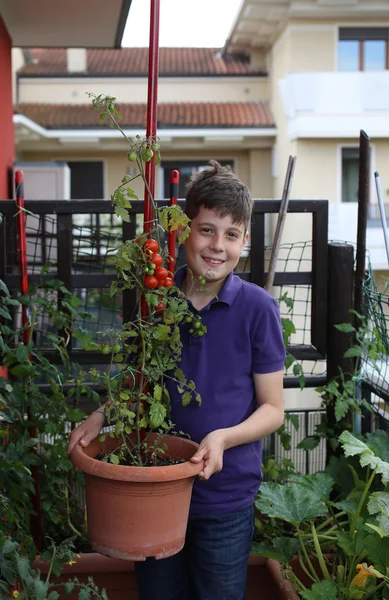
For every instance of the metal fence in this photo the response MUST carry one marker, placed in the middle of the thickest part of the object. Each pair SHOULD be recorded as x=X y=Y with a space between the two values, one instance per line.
x=72 y=237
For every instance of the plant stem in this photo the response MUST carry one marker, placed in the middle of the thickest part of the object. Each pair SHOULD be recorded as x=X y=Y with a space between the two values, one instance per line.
x=319 y=553
x=78 y=534
x=314 y=574
x=329 y=520
x=51 y=565
x=361 y=503
x=375 y=590
x=304 y=568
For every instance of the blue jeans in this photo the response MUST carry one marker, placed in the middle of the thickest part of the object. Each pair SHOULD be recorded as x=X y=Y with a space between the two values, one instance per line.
x=211 y=566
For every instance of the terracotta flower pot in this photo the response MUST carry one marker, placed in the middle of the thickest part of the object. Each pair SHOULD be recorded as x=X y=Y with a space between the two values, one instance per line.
x=264 y=579
x=136 y=512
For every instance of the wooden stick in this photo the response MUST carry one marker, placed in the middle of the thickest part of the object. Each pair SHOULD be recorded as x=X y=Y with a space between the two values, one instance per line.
x=280 y=222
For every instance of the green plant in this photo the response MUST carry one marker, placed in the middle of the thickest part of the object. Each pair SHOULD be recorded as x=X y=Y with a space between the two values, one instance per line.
x=146 y=351
x=36 y=407
x=340 y=544
x=341 y=394
x=30 y=584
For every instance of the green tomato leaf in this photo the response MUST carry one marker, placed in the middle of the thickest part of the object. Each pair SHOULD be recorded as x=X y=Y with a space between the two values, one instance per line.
x=186 y=398
x=289 y=360
x=23 y=566
x=40 y=589
x=4 y=313
x=84 y=593
x=352 y=352
x=4 y=288
x=345 y=327
x=157 y=415
x=309 y=443
x=7 y=571
x=157 y=393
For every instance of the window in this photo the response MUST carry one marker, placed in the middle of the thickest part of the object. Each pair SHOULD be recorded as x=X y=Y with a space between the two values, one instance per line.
x=86 y=180
x=186 y=169
x=350 y=166
x=363 y=49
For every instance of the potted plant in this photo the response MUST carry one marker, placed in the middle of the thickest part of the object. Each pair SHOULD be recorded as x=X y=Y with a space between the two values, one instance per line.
x=138 y=478
x=335 y=543
x=19 y=578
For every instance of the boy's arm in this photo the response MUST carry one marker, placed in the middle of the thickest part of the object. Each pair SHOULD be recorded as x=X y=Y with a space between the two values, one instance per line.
x=268 y=417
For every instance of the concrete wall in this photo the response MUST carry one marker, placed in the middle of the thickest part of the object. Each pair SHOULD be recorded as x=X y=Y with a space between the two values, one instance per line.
x=312 y=47
x=71 y=91
x=253 y=167
x=7 y=146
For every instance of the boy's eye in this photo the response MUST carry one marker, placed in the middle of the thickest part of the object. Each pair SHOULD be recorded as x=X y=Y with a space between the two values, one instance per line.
x=232 y=234
x=206 y=230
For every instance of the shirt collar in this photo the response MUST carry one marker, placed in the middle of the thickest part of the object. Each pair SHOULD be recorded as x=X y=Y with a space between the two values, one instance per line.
x=226 y=295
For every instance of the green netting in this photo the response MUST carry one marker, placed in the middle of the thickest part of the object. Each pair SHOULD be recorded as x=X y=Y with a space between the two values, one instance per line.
x=375 y=366
x=92 y=236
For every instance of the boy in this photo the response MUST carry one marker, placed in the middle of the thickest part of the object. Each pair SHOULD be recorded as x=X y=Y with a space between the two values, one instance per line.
x=238 y=370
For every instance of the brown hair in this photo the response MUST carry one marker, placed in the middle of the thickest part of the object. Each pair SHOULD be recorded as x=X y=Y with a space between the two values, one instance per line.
x=218 y=188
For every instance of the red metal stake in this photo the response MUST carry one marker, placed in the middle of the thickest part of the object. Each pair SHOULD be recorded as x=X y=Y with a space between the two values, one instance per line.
x=151 y=126
x=19 y=185
x=171 y=244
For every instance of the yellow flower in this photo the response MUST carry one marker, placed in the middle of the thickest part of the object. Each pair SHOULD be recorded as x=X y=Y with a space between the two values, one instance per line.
x=361 y=578
x=71 y=562
x=15 y=594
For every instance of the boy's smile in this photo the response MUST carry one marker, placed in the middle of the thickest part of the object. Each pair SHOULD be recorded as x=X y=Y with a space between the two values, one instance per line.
x=214 y=247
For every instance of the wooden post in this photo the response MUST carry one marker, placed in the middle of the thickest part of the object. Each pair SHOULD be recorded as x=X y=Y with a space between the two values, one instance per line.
x=340 y=301
x=280 y=223
x=363 y=201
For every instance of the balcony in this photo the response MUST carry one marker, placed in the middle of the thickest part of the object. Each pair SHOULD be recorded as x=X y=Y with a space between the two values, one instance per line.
x=336 y=105
x=342 y=226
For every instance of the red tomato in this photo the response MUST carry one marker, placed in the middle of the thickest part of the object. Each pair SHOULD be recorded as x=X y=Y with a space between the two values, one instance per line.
x=151 y=282
x=157 y=260
x=168 y=282
x=160 y=308
x=161 y=273
x=151 y=246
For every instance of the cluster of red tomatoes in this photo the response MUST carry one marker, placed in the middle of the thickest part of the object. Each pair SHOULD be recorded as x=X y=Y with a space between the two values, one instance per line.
x=155 y=275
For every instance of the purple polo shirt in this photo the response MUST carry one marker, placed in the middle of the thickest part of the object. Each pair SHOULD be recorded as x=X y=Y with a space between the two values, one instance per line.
x=244 y=336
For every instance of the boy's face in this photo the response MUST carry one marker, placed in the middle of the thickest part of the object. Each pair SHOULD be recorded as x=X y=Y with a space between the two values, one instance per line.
x=214 y=246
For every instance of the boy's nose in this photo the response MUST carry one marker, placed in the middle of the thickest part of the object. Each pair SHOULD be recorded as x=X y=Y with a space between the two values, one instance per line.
x=217 y=243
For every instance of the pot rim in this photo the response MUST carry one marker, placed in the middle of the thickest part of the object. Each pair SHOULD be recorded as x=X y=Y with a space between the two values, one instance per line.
x=91 y=466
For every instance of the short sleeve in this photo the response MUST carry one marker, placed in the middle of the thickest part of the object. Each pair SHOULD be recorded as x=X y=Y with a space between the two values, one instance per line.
x=268 y=350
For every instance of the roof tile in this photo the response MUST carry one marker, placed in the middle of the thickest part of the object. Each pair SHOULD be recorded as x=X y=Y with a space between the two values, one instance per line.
x=200 y=114
x=131 y=62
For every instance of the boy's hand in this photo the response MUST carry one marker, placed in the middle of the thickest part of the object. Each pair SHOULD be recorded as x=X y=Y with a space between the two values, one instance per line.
x=211 y=450
x=86 y=431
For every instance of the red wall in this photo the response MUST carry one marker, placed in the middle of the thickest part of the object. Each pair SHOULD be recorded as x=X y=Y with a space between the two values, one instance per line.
x=7 y=145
